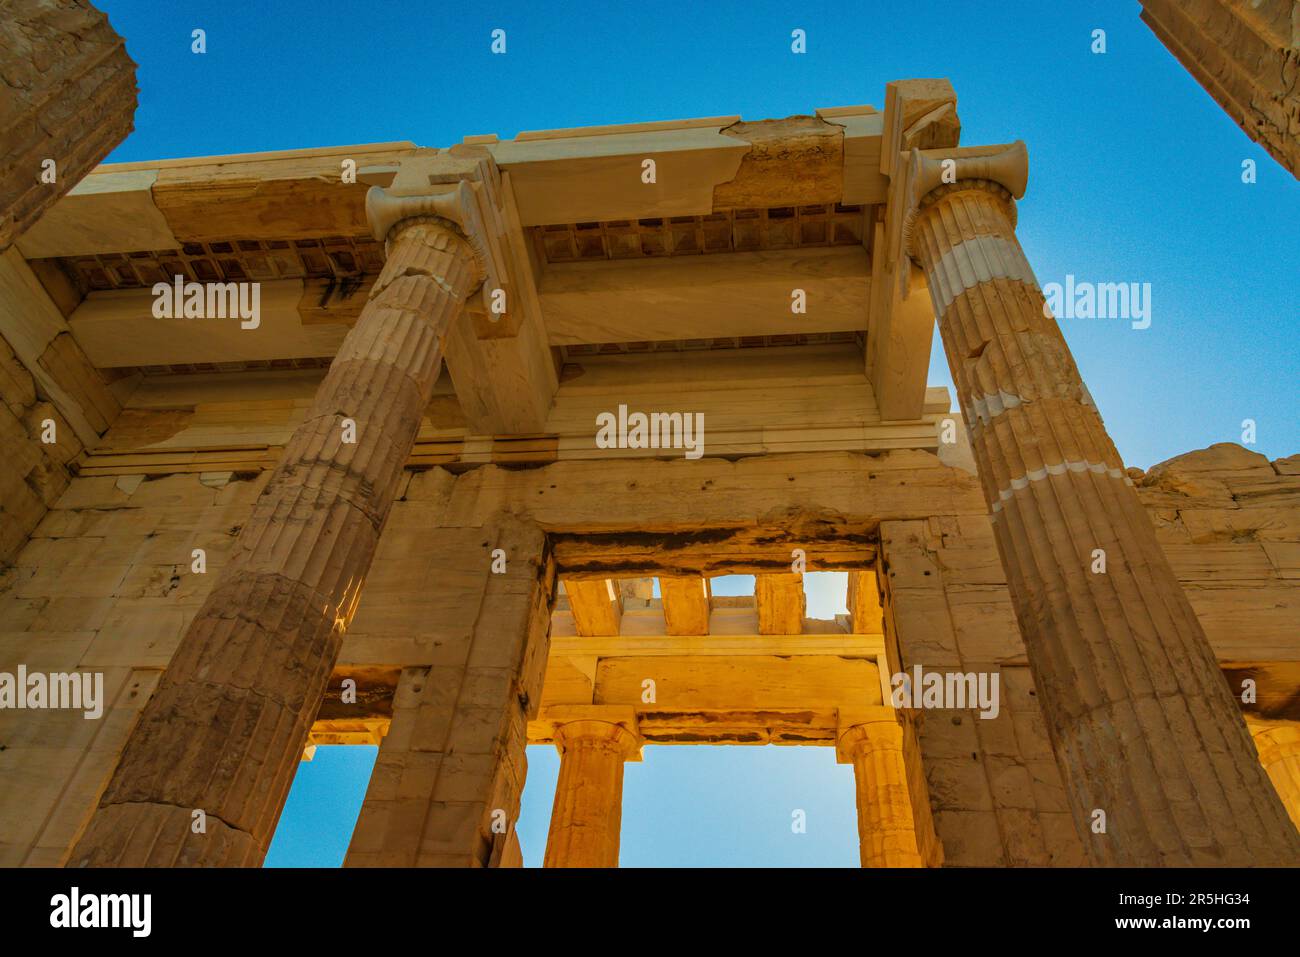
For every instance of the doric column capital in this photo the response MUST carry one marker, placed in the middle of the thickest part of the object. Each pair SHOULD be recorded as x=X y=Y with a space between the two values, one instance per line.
x=462 y=194
x=598 y=734
x=868 y=729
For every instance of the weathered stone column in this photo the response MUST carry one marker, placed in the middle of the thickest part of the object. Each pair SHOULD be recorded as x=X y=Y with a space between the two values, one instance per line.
x=225 y=730
x=886 y=826
x=1142 y=723
x=588 y=809
x=446 y=786
x=1279 y=754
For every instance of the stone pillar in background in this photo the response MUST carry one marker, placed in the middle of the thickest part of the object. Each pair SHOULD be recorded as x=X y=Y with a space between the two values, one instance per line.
x=588 y=810
x=225 y=730
x=69 y=96
x=446 y=786
x=1246 y=54
x=886 y=827
x=1278 y=744
x=1143 y=725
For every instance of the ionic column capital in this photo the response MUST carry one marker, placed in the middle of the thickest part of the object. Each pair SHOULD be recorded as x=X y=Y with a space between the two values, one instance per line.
x=932 y=174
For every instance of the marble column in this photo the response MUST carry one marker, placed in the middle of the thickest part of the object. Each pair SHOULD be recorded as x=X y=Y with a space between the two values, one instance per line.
x=69 y=100
x=1158 y=763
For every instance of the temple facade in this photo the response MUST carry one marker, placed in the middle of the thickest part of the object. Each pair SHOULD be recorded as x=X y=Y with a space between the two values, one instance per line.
x=388 y=445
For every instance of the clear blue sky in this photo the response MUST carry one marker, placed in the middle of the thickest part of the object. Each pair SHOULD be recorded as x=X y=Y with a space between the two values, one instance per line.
x=1135 y=176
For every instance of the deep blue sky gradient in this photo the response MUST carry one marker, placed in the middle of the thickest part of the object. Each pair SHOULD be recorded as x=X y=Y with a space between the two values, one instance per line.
x=1135 y=176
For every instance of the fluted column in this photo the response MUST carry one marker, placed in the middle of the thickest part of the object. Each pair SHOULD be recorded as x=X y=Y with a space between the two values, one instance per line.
x=225 y=730
x=1142 y=722
x=886 y=826
x=1279 y=754
x=588 y=809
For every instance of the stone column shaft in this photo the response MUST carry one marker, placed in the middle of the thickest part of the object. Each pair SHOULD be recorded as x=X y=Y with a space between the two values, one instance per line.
x=1141 y=720
x=588 y=809
x=225 y=730
x=1279 y=754
x=886 y=825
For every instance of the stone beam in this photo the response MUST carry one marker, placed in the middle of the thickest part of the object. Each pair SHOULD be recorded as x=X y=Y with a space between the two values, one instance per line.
x=558 y=176
x=118 y=329
x=39 y=335
x=503 y=373
x=301 y=194
x=708 y=553
x=1143 y=726
x=289 y=194
x=53 y=403
x=716 y=689
x=104 y=213
x=720 y=294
